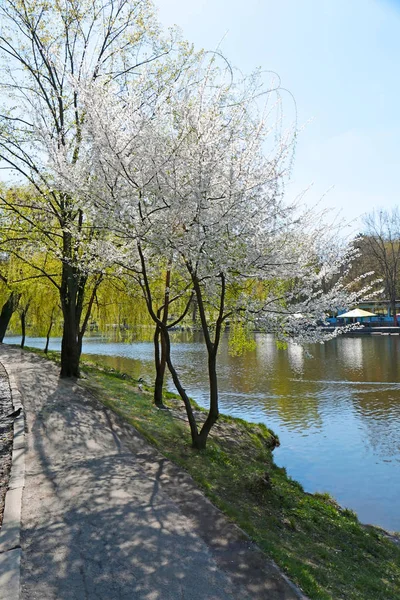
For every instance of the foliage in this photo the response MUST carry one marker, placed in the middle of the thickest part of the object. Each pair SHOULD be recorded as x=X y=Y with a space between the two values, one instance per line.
x=188 y=178
x=380 y=249
x=241 y=338
x=45 y=48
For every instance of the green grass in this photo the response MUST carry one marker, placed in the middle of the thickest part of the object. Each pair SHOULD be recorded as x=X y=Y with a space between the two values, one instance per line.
x=321 y=547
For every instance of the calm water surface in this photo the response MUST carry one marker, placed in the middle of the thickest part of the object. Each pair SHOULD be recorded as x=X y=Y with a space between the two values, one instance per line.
x=337 y=412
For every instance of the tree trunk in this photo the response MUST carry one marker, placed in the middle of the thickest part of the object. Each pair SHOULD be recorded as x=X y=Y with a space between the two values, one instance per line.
x=7 y=311
x=212 y=350
x=180 y=389
x=70 y=349
x=213 y=412
x=23 y=327
x=161 y=360
x=194 y=312
x=160 y=364
x=393 y=303
x=46 y=348
x=70 y=346
x=72 y=290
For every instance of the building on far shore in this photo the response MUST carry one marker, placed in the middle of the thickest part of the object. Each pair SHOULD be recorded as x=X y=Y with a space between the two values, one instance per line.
x=381 y=308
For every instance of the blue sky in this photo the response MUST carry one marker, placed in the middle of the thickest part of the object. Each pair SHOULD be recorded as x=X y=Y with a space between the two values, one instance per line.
x=341 y=60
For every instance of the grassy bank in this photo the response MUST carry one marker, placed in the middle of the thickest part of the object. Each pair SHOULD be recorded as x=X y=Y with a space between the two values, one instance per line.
x=321 y=547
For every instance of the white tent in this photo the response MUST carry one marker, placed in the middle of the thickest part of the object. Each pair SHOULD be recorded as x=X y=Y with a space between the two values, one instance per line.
x=357 y=313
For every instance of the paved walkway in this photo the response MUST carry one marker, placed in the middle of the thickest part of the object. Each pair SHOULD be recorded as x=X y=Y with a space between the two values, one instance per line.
x=106 y=517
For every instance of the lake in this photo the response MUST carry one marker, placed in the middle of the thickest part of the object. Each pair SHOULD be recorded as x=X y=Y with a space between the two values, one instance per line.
x=336 y=410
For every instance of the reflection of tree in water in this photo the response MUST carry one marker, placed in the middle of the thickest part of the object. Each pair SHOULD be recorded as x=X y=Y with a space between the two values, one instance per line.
x=369 y=358
x=296 y=357
x=133 y=367
x=266 y=352
x=378 y=408
x=295 y=402
x=351 y=353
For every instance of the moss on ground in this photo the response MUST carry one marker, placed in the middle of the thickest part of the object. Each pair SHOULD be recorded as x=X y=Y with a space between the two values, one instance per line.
x=322 y=547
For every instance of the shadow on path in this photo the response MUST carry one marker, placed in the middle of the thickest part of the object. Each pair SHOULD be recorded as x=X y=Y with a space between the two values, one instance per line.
x=105 y=516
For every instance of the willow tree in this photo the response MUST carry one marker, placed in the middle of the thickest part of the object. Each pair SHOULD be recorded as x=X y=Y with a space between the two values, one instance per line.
x=46 y=48
x=12 y=273
x=9 y=297
x=39 y=310
x=119 y=308
x=45 y=315
x=9 y=301
x=35 y=295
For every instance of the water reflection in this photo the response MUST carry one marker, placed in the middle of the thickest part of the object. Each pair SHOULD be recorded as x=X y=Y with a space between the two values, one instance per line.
x=351 y=352
x=296 y=357
x=337 y=412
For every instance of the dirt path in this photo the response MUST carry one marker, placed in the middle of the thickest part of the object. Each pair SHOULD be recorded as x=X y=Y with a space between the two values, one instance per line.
x=105 y=516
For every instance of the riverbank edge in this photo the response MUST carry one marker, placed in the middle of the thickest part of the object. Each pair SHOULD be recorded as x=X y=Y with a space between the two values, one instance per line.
x=301 y=567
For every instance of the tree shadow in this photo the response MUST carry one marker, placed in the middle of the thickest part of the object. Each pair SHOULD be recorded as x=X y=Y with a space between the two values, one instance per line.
x=106 y=516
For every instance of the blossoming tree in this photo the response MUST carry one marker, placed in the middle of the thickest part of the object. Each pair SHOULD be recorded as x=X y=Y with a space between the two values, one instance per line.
x=192 y=184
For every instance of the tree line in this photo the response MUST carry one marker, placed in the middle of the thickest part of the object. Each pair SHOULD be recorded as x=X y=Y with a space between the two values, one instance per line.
x=378 y=253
